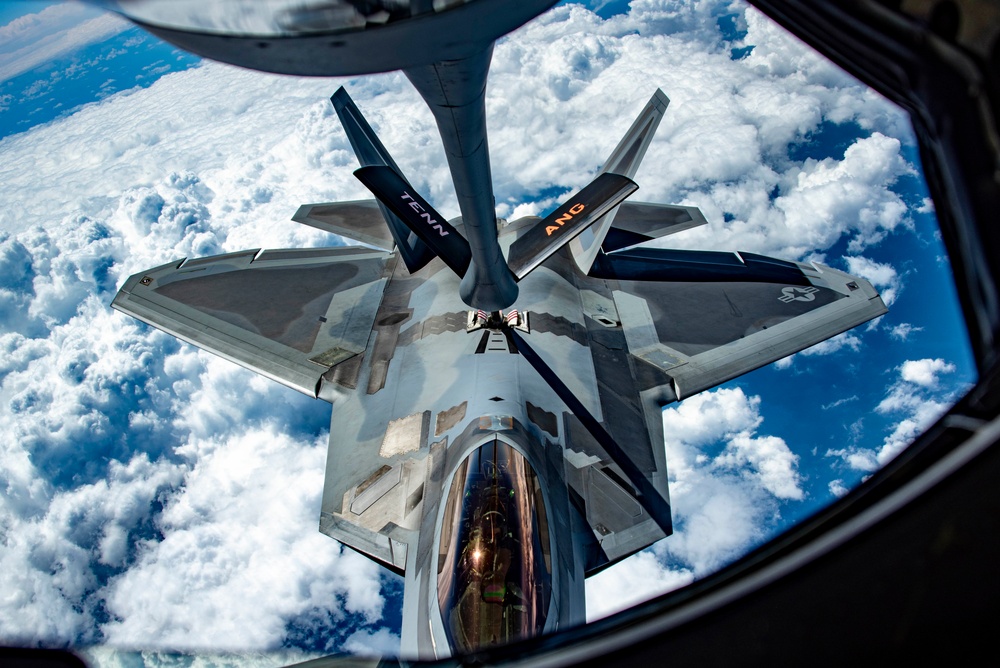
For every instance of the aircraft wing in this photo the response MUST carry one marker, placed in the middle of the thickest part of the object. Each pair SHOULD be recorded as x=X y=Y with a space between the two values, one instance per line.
x=289 y=315
x=704 y=331
x=360 y=220
x=638 y=222
x=664 y=325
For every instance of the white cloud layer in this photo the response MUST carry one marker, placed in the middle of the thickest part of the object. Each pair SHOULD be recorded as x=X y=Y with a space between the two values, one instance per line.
x=727 y=486
x=240 y=555
x=157 y=496
x=924 y=372
x=34 y=39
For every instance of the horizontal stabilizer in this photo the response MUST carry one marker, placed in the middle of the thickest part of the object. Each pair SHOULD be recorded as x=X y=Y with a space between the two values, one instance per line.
x=419 y=216
x=568 y=221
x=370 y=151
x=360 y=220
x=663 y=264
x=637 y=222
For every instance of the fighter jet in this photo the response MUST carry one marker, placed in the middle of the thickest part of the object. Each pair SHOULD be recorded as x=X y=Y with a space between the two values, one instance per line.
x=496 y=385
x=497 y=456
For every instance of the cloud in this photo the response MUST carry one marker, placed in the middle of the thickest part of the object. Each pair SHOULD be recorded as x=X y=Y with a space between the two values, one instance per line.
x=902 y=331
x=35 y=39
x=925 y=372
x=615 y=588
x=839 y=402
x=831 y=190
x=724 y=141
x=110 y=657
x=727 y=487
x=382 y=642
x=240 y=554
x=881 y=275
x=132 y=459
x=916 y=401
x=837 y=487
x=182 y=550
x=154 y=494
x=46 y=564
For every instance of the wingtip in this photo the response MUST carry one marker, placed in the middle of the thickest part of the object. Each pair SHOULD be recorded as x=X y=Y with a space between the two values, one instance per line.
x=660 y=98
x=340 y=98
x=302 y=213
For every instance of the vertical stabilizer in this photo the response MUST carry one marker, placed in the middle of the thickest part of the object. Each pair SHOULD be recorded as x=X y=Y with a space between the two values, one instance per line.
x=371 y=152
x=624 y=160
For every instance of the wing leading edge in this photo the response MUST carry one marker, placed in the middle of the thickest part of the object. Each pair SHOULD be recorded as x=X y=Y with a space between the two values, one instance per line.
x=289 y=315
x=705 y=331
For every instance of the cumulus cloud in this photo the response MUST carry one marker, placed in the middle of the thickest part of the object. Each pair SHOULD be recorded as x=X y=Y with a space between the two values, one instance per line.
x=924 y=372
x=881 y=275
x=723 y=144
x=832 y=190
x=727 y=487
x=153 y=493
x=615 y=588
x=837 y=487
x=902 y=331
x=915 y=400
x=149 y=489
x=830 y=346
x=239 y=554
x=365 y=643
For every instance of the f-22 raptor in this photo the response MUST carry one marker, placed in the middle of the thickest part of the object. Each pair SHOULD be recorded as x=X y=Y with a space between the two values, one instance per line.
x=496 y=457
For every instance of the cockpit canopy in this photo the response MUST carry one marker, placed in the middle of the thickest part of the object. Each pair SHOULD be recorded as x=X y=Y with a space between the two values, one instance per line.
x=494 y=561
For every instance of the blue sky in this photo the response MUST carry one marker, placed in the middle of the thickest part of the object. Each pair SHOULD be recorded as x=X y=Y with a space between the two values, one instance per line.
x=58 y=87
x=156 y=496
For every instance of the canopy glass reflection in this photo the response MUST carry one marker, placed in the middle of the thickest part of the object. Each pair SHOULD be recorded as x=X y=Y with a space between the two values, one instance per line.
x=494 y=564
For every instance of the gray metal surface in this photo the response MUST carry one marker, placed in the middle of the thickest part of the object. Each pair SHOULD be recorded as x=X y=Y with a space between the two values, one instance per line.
x=329 y=49
x=570 y=219
x=288 y=315
x=657 y=220
x=361 y=220
x=705 y=334
x=418 y=382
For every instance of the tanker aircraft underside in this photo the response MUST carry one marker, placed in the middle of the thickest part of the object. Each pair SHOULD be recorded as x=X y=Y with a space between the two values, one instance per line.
x=496 y=433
